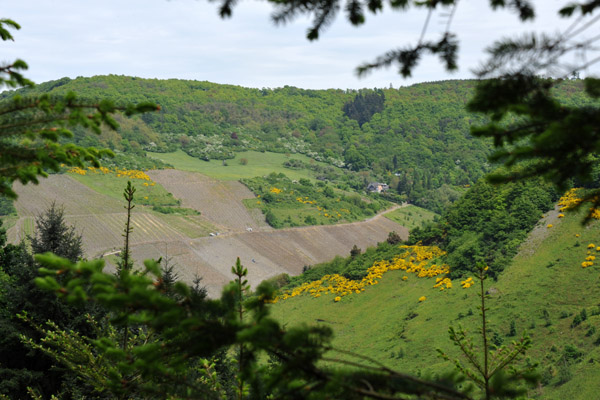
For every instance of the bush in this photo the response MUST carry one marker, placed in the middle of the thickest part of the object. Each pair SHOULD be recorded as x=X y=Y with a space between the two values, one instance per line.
x=564 y=373
x=393 y=238
x=272 y=220
x=310 y=220
x=513 y=329
x=572 y=354
x=590 y=331
x=175 y=210
x=7 y=207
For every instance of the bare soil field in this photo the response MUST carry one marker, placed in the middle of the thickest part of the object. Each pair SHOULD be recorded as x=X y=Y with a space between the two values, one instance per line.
x=264 y=251
x=66 y=192
x=220 y=202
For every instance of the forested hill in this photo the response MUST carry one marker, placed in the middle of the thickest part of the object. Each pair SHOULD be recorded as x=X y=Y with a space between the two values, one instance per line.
x=415 y=138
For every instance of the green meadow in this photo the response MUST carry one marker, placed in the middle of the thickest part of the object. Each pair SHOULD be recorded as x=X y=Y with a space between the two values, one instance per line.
x=258 y=164
x=411 y=216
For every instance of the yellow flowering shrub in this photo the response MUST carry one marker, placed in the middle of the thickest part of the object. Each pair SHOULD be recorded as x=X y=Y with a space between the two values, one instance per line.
x=125 y=173
x=570 y=199
x=586 y=264
x=414 y=259
x=591 y=257
x=422 y=298
x=275 y=190
x=443 y=283
x=549 y=226
x=77 y=170
x=467 y=283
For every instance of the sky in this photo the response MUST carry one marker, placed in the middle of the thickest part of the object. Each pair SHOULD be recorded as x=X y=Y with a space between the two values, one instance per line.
x=186 y=39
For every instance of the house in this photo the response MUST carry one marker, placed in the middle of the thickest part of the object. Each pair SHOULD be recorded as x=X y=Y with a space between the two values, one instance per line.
x=377 y=187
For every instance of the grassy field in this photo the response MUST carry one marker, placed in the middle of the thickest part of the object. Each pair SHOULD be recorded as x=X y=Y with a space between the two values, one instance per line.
x=411 y=216
x=147 y=192
x=259 y=164
x=541 y=292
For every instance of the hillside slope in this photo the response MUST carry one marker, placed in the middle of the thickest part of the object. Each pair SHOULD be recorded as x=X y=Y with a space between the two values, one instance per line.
x=421 y=133
x=185 y=238
x=542 y=291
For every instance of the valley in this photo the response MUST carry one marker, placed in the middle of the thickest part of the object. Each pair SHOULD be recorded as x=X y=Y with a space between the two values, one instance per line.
x=308 y=196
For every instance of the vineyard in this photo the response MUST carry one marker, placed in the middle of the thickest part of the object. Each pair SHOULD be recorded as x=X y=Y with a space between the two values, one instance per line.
x=220 y=202
x=186 y=239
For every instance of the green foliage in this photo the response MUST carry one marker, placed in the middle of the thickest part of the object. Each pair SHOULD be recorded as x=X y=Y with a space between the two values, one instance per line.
x=363 y=107
x=289 y=203
x=411 y=216
x=352 y=267
x=579 y=318
x=20 y=366
x=564 y=373
x=572 y=354
x=488 y=224
x=134 y=161
x=393 y=238
x=175 y=210
x=10 y=75
x=419 y=143
x=111 y=185
x=374 y=320
x=355 y=252
x=530 y=124
x=7 y=207
x=513 y=329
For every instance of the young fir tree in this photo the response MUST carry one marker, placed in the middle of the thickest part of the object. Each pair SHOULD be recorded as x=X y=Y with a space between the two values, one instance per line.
x=125 y=263
x=54 y=235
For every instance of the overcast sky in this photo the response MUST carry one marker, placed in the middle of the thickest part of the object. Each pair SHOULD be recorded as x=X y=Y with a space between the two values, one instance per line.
x=186 y=39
